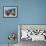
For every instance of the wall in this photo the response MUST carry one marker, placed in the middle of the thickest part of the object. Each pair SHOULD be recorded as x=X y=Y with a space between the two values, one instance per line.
x=7 y=25
x=32 y=11
x=29 y=12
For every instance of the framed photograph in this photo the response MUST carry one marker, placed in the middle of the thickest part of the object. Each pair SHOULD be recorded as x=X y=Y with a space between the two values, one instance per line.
x=10 y=11
x=33 y=32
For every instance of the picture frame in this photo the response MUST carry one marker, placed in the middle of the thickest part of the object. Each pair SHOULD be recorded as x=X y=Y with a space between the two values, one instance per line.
x=37 y=29
x=9 y=11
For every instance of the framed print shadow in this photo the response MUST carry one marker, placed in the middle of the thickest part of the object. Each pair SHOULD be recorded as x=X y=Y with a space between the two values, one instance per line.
x=10 y=11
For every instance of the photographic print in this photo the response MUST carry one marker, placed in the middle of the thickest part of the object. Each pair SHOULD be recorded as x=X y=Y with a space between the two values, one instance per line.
x=10 y=11
x=32 y=32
